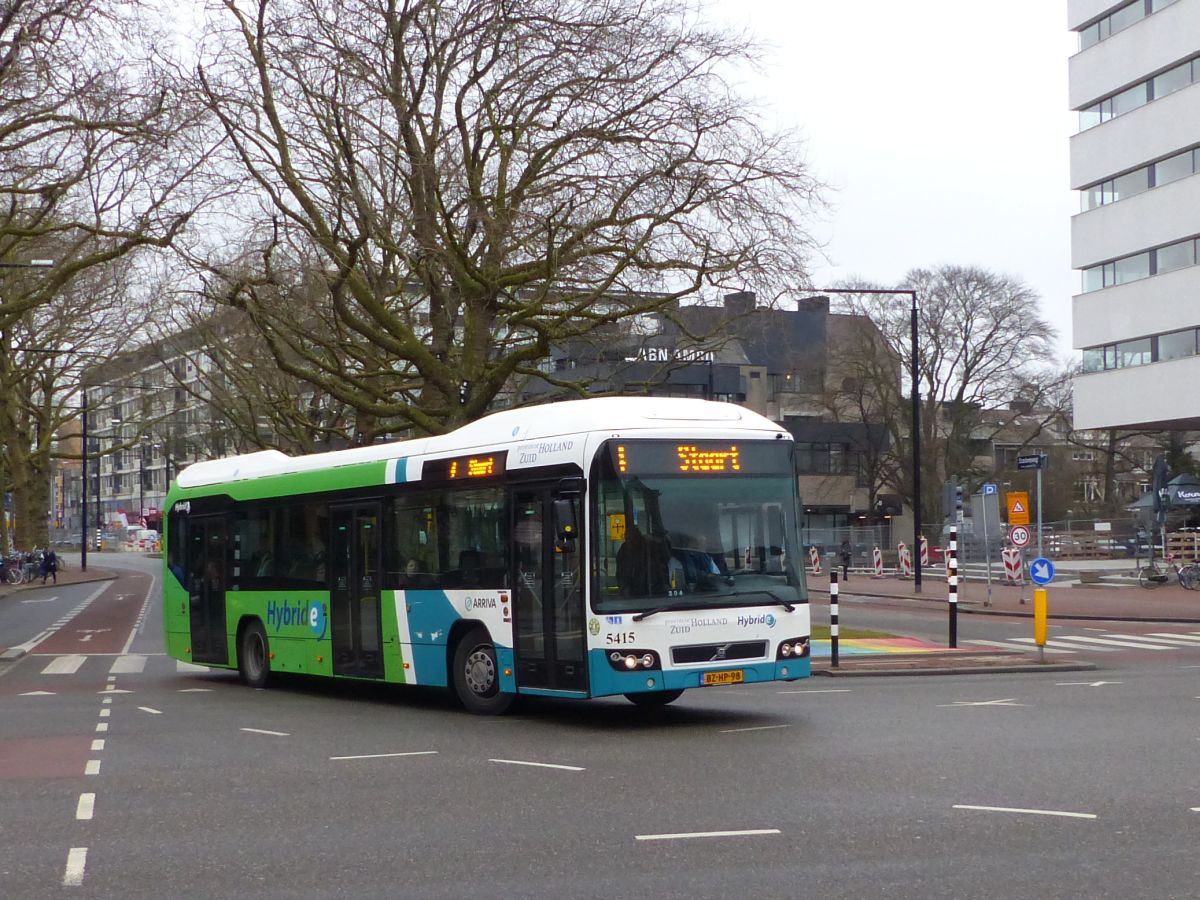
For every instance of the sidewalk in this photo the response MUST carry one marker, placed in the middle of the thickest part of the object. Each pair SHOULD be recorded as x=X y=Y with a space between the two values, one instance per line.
x=71 y=576
x=1066 y=599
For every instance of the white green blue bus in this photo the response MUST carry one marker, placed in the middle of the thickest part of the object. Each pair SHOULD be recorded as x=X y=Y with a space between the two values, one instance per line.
x=589 y=548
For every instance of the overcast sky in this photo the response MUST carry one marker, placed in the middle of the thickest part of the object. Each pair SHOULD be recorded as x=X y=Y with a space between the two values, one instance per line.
x=942 y=126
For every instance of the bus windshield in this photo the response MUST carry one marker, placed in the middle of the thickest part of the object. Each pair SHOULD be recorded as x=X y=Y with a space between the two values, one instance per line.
x=694 y=525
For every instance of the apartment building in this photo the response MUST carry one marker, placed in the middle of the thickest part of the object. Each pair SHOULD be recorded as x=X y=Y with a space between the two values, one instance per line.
x=1135 y=161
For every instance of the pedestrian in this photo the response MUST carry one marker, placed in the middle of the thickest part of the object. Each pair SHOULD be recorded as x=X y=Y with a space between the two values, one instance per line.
x=846 y=552
x=50 y=565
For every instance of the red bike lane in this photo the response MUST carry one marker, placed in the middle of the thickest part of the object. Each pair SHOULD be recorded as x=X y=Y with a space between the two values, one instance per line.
x=105 y=625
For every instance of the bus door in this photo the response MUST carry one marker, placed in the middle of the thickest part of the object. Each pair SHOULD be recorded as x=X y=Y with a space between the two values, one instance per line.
x=354 y=608
x=549 y=616
x=207 y=558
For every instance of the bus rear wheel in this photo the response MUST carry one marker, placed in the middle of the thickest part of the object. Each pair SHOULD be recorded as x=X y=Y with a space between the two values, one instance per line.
x=654 y=698
x=254 y=656
x=477 y=675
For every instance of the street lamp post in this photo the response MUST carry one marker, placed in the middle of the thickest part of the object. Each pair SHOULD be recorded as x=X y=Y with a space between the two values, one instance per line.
x=914 y=376
x=83 y=488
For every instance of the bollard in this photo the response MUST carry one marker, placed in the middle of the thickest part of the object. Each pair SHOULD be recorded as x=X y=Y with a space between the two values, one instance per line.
x=833 y=617
x=1039 y=621
x=952 y=585
x=877 y=563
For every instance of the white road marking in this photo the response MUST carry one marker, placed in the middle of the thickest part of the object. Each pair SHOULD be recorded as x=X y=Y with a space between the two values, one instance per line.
x=151 y=710
x=1011 y=645
x=1030 y=812
x=37 y=694
x=87 y=805
x=97 y=745
x=128 y=665
x=181 y=666
x=705 y=834
x=1174 y=642
x=518 y=762
x=92 y=767
x=264 y=731
x=107 y=700
x=105 y=713
x=113 y=690
x=755 y=728
x=1010 y=701
x=1195 y=809
x=822 y=691
x=1109 y=642
x=137 y=624
x=386 y=755
x=101 y=727
x=1193 y=638
x=195 y=690
x=76 y=864
x=64 y=665
x=1061 y=643
x=1085 y=683
x=41 y=600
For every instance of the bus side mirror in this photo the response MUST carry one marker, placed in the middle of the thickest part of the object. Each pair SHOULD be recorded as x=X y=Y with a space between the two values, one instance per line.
x=566 y=529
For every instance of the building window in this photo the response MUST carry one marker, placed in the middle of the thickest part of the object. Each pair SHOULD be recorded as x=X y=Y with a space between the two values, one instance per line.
x=1140 y=352
x=1168 y=82
x=821 y=458
x=1140 y=265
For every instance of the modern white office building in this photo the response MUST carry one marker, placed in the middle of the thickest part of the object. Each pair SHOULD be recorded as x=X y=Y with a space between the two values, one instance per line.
x=1135 y=161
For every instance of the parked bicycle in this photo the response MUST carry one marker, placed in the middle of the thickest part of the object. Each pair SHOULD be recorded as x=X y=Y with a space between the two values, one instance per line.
x=1152 y=575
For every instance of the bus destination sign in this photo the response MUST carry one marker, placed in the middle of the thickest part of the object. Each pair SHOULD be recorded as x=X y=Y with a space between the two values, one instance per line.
x=701 y=457
x=465 y=468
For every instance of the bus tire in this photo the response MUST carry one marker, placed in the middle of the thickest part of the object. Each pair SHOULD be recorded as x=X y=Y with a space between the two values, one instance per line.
x=254 y=655
x=476 y=675
x=654 y=698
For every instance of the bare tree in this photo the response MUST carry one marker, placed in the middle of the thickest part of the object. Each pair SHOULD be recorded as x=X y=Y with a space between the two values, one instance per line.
x=98 y=163
x=436 y=192
x=982 y=343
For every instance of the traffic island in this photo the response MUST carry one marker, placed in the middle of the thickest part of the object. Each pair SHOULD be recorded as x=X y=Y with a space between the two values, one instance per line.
x=947 y=662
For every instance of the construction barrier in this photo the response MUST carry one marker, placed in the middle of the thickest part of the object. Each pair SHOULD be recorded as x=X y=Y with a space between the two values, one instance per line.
x=877 y=562
x=814 y=557
x=905 y=556
x=1013 y=572
x=924 y=553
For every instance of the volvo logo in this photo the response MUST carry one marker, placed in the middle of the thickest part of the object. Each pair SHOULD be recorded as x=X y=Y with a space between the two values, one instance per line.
x=720 y=653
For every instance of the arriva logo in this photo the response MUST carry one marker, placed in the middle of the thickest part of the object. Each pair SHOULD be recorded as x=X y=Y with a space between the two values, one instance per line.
x=287 y=615
x=762 y=619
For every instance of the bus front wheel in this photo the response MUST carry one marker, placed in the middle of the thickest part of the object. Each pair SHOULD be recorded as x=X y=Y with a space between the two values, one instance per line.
x=254 y=656
x=655 y=698
x=477 y=675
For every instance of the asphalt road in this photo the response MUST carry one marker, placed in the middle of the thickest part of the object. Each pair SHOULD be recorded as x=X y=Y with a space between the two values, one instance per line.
x=1050 y=785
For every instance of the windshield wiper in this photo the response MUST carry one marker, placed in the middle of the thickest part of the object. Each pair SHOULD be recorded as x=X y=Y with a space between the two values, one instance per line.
x=774 y=596
x=674 y=607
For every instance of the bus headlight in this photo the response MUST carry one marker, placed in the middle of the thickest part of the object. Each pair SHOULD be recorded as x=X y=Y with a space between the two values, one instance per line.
x=633 y=660
x=793 y=648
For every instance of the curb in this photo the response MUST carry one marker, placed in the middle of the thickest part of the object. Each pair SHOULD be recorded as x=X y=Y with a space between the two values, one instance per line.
x=1014 y=668
x=973 y=608
x=100 y=575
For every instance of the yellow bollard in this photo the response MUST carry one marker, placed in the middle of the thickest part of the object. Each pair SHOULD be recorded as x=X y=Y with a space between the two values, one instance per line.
x=1039 y=620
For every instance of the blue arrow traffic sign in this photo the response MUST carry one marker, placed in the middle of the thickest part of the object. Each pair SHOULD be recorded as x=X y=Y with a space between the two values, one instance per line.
x=1041 y=571
x=990 y=488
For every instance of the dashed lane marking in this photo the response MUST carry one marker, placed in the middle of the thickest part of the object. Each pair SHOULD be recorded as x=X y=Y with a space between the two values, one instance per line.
x=64 y=665
x=386 y=755
x=1029 y=812
x=519 y=762
x=264 y=731
x=85 y=808
x=682 y=836
x=76 y=864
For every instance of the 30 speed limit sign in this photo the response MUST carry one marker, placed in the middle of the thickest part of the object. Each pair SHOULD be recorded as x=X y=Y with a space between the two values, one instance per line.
x=1019 y=535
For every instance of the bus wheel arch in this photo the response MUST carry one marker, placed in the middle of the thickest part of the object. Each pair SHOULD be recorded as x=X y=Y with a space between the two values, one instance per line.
x=253 y=652
x=475 y=671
